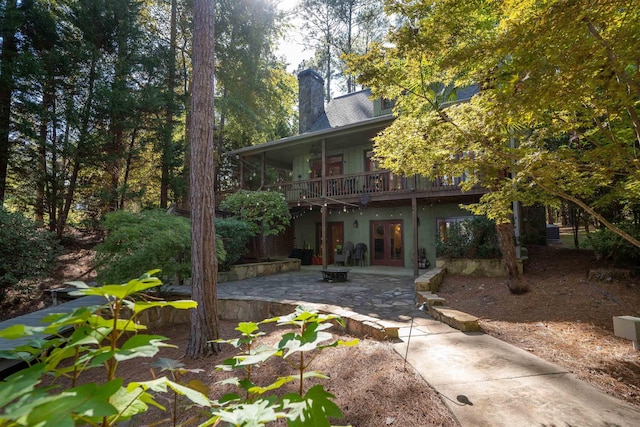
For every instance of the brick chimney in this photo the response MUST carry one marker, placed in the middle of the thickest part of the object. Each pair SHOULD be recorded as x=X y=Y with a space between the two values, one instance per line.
x=310 y=98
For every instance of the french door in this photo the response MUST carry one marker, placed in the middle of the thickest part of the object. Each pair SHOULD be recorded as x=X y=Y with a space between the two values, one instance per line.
x=387 y=243
x=335 y=236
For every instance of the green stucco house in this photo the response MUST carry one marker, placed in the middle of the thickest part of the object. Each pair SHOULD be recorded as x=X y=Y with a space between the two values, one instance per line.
x=338 y=194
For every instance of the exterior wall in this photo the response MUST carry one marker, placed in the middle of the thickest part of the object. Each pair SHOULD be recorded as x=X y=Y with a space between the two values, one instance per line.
x=352 y=157
x=305 y=226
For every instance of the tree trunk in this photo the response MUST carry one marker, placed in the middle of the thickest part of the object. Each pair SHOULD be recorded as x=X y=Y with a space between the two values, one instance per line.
x=80 y=150
x=204 y=319
x=127 y=167
x=508 y=249
x=167 y=145
x=9 y=52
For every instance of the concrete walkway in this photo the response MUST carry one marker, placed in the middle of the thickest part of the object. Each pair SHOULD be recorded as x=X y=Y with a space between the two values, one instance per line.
x=484 y=381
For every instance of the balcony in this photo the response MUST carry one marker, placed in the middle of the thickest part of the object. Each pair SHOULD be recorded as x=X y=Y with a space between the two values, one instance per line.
x=382 y=184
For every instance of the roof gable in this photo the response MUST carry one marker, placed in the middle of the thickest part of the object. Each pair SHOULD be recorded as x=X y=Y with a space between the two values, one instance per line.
x=345 y=110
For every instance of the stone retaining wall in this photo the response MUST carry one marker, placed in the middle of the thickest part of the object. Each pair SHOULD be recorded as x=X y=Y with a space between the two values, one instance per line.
x=248 y=271
x=251 y=309
x=475 y=267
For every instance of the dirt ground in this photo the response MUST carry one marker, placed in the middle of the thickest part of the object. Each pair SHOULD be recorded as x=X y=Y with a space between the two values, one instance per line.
x=565 y=318
x=370 y=382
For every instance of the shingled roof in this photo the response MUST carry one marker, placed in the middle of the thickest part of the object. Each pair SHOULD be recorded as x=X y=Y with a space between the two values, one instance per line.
x=357 y=107
x=345 y=110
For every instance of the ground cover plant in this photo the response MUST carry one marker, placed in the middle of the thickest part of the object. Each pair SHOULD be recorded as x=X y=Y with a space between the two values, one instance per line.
x=138 y=242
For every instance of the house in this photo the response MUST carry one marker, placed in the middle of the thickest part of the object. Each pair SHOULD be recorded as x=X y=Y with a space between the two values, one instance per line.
x=336 y=190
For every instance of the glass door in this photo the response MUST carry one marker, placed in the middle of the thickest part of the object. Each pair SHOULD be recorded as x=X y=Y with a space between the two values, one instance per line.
x=386 y=241
x=335 y=236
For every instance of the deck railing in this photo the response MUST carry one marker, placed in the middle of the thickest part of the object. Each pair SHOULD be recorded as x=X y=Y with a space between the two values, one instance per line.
x=354 y=185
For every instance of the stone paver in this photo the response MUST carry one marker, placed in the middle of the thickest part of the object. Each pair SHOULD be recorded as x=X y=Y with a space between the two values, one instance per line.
x=389 y=297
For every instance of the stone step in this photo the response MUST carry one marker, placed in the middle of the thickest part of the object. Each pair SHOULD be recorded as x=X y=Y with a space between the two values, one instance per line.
x=455 y=318
x=429 y=298
x=431 y=280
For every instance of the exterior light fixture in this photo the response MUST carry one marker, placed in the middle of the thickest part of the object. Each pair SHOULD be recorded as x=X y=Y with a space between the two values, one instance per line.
x=355 y=224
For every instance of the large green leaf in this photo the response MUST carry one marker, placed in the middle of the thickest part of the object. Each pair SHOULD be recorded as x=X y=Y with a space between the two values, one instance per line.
x=140 y=306
x=313 y=410
x=20 y=383
x=284 y=380
x=89 y=400
x=251 y=414
x=162 y=384
x=141 y=346
x=119 y=291
x=131 y=403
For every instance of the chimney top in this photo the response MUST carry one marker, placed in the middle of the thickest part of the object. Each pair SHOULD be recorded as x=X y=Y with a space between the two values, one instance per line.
x=310 y=98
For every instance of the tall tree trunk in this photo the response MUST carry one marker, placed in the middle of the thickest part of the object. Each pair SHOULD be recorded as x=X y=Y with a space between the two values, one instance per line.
x=127 y=167
x=80 y=150
x=186 y=197
x=9 y=52
x=167 y=146
x=204 y=266
x=508 y=249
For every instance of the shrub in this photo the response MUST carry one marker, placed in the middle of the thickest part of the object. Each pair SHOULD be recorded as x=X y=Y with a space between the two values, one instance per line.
x=234 y=234
x=266 y=212
x=142 y=241
x=474 y=238
x=608 y=245
x=25 y=251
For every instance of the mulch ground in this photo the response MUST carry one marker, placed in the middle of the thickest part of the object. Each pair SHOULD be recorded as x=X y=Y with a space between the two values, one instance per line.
x=566 y=318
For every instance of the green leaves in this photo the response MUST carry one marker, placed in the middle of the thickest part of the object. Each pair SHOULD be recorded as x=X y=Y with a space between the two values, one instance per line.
x=94 y=343
x=556 y=112
x=315 y=407
x=267 y=212
x=313 y=410
x=163 y=384
x=33 y=406
x=254 y=414
x=99 y=343
x=26 y=251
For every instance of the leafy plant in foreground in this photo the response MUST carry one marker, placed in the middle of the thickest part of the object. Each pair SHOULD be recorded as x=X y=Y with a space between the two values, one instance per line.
x=100 y=337
x=299 y=348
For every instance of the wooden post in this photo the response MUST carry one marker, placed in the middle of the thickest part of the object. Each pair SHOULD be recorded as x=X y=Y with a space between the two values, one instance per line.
x=325 y=243
x=414 y=217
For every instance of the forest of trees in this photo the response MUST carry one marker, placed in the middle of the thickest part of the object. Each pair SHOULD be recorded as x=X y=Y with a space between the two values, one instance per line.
x=94 y=95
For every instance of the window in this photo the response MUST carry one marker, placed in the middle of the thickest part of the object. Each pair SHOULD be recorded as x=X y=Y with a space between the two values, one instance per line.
x=387 y=104
x=443 y=224
x=334 y=166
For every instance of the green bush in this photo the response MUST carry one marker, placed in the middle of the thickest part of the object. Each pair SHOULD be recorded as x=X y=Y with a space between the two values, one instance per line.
x=474 y=238
x=608 y=245
x=266 y=212
x=235 y=235
x=138 y=242
x=25 y=251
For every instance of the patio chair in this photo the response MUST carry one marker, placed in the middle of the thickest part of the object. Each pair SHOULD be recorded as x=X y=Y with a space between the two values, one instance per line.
x=345 y=257
x=359 y=254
